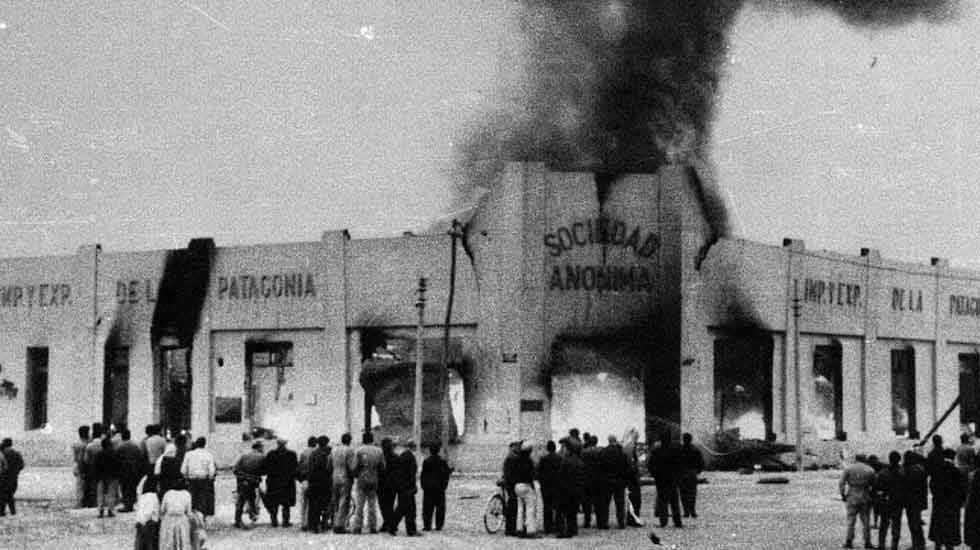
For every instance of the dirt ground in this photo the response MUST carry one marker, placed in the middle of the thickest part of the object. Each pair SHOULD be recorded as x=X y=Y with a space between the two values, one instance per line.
x=734 y=512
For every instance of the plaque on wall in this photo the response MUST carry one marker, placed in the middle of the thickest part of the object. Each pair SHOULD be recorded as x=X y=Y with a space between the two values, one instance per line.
x=227 y=410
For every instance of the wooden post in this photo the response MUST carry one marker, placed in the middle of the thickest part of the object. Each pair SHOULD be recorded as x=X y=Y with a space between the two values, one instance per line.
x=454 y=233
x=417 y=416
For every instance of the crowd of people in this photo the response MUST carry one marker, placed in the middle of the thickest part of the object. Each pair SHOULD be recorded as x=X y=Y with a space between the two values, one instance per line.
x=879 y=494
x=169 y=484
x=584 y=477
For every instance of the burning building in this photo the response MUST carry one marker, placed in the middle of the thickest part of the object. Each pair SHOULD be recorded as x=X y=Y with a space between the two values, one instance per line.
x=591 y=301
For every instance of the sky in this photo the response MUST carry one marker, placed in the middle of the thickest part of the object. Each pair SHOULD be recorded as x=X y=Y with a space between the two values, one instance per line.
x=142 y=126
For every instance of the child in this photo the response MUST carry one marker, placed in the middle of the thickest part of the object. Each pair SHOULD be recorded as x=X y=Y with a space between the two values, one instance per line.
x=147 y=516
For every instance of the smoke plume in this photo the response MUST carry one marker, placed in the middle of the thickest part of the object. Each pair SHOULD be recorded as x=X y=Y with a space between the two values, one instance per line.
x=627 y=85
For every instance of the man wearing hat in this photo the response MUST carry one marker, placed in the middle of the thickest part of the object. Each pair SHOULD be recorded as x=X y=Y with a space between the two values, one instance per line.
x=407 y=474
x=510 y=510
x=248 y=474
x=280 y=482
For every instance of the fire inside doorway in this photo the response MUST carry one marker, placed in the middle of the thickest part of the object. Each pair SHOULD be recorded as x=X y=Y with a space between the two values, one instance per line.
x=597 y=389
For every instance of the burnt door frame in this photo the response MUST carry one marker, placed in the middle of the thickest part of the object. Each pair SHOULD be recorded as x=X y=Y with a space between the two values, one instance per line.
x=109 y=386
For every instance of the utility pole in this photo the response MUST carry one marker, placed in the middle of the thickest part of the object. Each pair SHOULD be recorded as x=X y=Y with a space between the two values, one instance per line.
x=455 y=233
x=417 y=416
x=796 y=367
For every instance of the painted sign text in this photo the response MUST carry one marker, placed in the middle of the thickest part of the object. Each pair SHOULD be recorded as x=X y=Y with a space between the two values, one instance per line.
x=39 y=295
x=253 y=287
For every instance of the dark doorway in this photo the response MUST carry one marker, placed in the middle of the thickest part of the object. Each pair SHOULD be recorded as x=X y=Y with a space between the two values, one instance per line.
x=115 y=389
x=828 y=392
x=174 y=390
x=266 y=368
x=903 y=393
x=743 y=385
x=36 y=396
x=969 y=390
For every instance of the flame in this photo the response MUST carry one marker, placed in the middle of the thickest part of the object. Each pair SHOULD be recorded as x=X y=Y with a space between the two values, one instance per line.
x=591 y=404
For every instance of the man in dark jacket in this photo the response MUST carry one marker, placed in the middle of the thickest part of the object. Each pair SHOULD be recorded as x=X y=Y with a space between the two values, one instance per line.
x=571 y=474
x=916 y=491
x=665 y=468
x=434 y=480
x=131 y=469
x=934 y=460
x=596 y=490
x=320 y=486
x=616 y=468
x=387 y=483
x=691 y=464
x=510 y=509
x=280 y=482
x=948 y=493
x=248 y=474
x=8 y=479
x=406 y=468
x=547 y=475
x=889 y=491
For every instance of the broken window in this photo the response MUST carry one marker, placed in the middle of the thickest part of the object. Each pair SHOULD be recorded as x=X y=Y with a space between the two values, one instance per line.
x=175 y=389
x=828 y=402
x=267 y=364
x=36 y=396
x=903 y=392
x=743 y=386
x=969 y=391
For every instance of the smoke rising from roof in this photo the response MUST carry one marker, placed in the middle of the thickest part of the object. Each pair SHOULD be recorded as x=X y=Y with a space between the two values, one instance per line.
x=628 y=85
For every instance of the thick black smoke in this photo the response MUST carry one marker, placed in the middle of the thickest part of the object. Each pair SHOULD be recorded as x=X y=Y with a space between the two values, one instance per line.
x=627 y=85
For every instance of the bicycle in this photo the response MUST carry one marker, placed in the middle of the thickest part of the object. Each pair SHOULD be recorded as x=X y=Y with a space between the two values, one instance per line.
x=495 y=512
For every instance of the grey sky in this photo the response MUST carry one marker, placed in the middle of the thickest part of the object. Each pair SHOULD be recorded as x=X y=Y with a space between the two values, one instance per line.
x=143 y=126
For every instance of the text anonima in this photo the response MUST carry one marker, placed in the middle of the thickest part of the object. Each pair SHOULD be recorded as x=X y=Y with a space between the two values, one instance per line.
x=253 y=287
x=614 y=278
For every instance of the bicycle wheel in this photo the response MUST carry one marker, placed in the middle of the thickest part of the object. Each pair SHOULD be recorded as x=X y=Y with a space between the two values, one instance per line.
x=493 y=516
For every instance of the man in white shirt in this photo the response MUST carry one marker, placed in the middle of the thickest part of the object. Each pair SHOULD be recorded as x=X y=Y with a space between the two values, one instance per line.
x=199 y=470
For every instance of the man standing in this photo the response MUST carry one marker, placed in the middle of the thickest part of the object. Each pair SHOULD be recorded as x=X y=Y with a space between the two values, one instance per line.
x=248 y=474
x=344 y=462
x=387 y=483
x=407 y=475
x=510 y=509
x=692 y=464
x=303 y=476
x=199 y=470
x=527 y=509
x=131 y=469
x=665 y=469
x=368 y=463
x=595 y=483
x=631 y=439
x=92 y=450
x=855 y=491
x=571 y=474
x=547 y=474
x=81 y=474
x=8 y=479
x=434 y=480
x=280 y=482
x=320 y=484
x=948 y=493
x=916 y=491
x=616 y=468
x=889 y=488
